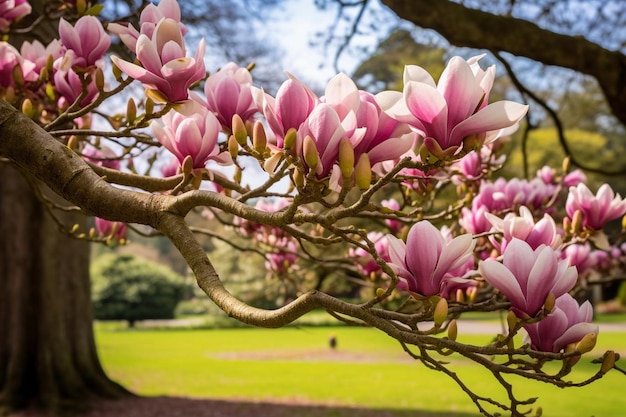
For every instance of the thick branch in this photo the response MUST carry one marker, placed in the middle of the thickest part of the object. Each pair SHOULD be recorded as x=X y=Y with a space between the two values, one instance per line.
x=473 y=28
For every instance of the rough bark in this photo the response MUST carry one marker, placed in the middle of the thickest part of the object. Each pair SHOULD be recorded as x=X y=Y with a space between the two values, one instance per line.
x=466 y=27
x=48 y=356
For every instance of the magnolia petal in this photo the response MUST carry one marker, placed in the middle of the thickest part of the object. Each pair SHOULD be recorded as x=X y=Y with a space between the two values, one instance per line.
x=419 y=74
x=502 y=279
x=495 y=116
x=575 y=334
x=428 y=105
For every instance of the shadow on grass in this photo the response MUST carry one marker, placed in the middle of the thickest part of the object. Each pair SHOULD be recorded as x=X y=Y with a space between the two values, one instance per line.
x=188 y=407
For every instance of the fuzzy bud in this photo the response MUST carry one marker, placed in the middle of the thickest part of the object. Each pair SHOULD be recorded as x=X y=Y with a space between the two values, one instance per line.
x=587 y=343
x=117 y=73
x=99 y=79
x=187 y=165
x=511 y=320
x=363 y=172
x=233 y=146
x=441 y=312
x=149 y=106
x=608 y=362
x=290 y=139
x=239 y=129
x=259 y=138
x=72 y=142
x=131 y=111
x=311 y=157
x=28 y=108
x=549 y=303
x=346 y=158
x=452 y=330
x=577 y=221
x=18 y=77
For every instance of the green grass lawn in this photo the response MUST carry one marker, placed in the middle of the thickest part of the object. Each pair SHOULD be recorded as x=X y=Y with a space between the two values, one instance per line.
x=369 y=370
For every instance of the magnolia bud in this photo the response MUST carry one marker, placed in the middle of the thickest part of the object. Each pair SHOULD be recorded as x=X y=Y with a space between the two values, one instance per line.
x=290 y=139
x=131 y=111
x=237 y=175
x=298 y=179
x=117 y=73
x=18 y=77
x=441 y=312
x=259 y=139
x=587 y=343
x=72 y=142
x=566 y=162
x=156 y=96
x=99 y=79
x=81 y=6
x=379 y=292
x=548 y=305
x=28 y=109
x=239 y=129
x=311 y=157
x=363 y=172
x=149 y=106
x=567 y=225
x=577 y=221
x=608 y=362
x=233 y=146
x=346 y=158
x=511 y=320
x=187 y=165
x=452 y=330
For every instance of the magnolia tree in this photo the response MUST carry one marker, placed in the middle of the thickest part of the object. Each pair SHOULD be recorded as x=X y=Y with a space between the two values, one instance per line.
x=396 y=187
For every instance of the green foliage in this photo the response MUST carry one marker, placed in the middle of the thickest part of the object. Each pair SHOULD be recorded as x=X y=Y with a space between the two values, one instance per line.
x=621 y=294
x=384 y=69
x=129 y=288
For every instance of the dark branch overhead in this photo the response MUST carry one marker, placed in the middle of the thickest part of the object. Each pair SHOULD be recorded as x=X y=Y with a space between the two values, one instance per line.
x=473 y=28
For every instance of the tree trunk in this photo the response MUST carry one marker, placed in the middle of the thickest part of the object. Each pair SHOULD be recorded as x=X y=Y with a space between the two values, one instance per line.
x=48 y=356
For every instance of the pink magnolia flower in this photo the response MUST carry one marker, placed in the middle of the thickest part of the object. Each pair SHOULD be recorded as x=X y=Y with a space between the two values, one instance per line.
x=104 y=157
x=150 y=16
x=70 y=86
x=567 y=323
x=364 y=261
x=9 y=59
x=193 y=134
x=107 y=228
x=527 y=276
x=86 y=39
x=38 y=54
x=596 y=210
x=284 y=257
x=294 y=102
x=523 y=227
x=455 y=108
x=229 y=92
x=324 y=127
x=165 y=68
x=425 y=262
x=12 y=10
x=473 y=219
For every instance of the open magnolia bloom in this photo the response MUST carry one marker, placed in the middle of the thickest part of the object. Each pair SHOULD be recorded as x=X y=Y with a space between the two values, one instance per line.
x=526 y=276
x=454 y=110
x=427 y=260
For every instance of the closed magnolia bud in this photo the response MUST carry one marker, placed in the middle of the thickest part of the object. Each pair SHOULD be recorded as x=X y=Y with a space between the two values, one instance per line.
x=72 y=143
x=81 y=6
x=18 y=77
x=565 y=165
x=290 y=139
x=549 y=303
x=259 y=139
x=379 y=292
x=149 y=106
x=567 y=225
x=233 y=146
x=363 y=172
x=452 y=330
x=239 y=129
x=117 y=73
x=131 y=111
x=511 y=320
x=577 y=221
x=237 y=175
x=298 y=179
x=608 y=362
x=187 y=165
x=28 y=109
x=99 y=79
x=346 y=158
x=311 y=157
x=441 y=312
x=587 y=343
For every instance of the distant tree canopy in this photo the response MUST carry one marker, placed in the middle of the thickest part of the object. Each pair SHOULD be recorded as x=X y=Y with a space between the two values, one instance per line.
x=133 y=289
